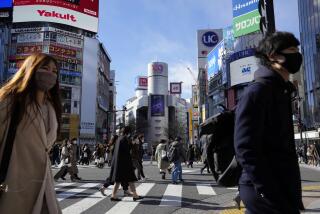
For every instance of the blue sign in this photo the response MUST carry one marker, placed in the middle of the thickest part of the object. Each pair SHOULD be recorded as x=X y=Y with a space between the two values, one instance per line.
x=157 y=106
x=242 y=54
x=5 y=3
x=210 y=39
x=241 y=7
x=228 y=36
x=215 y=59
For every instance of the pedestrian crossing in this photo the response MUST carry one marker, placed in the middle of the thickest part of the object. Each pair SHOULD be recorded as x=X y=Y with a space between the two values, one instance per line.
x=81 y=197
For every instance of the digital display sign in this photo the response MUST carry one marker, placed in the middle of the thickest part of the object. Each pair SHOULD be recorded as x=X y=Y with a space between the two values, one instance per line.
x=157 y=106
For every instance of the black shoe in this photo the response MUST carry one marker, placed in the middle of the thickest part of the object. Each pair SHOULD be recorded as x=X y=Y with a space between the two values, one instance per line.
x=181 y=180
x=63 y=178
x=101 y=189
x=174 y=182
x=115 y=199
x=137 y=198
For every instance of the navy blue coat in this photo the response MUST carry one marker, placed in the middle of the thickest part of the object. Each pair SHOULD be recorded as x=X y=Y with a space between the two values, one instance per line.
x=264 y=140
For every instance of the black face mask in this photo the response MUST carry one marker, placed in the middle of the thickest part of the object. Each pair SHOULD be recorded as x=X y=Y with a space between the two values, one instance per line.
x=293 y=62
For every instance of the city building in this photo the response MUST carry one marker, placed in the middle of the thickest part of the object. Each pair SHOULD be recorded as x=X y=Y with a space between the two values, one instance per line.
x=25 y=30
x=154 y=110
x=309 y=23
x=95 y=101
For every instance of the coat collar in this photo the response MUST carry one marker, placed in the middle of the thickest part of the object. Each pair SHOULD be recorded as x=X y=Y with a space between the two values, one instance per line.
x=274 y=78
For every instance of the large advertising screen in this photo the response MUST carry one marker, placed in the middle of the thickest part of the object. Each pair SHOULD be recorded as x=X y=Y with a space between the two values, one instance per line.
x=157 y=106
x=242 y=70
x=5 y=3
x=77 y=13
x=246 y=17
x=215 y=58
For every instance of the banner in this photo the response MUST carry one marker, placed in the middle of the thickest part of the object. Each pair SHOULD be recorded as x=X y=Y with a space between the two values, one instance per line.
x=60 y=51
x=175 y=88
x=142 y=82
x=215 y=60
x=157 y=106
x=30 y=37
x=80 y=14
x=246 y=17
x=28 y=50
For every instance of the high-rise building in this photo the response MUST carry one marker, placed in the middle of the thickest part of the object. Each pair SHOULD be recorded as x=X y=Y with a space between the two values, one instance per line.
x=309 y=22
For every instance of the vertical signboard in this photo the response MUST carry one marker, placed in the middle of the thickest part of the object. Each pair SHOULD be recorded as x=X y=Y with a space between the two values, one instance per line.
x=228 y=37
x=175 y=88
x=246 y=17
x=215 y=59
x=142 y=82
x=157 y=106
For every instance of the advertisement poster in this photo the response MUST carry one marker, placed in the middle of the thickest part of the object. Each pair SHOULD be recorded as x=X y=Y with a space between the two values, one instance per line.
x=60 y=51
x=246 y=17
x=215 y=60
x=175 y=88
x=242 y=70
x=142 y=82
x=29 y=37
x=157 y=106
x=77 y=13
x=29 y=49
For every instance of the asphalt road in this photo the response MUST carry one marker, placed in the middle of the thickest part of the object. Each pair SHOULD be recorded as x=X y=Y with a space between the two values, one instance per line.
x=198 y=194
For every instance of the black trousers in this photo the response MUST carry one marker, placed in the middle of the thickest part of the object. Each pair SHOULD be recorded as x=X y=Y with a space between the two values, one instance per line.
x=256 y=204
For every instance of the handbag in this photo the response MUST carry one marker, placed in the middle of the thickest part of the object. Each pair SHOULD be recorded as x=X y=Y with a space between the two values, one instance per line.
x=8 y=150
x=164 y=155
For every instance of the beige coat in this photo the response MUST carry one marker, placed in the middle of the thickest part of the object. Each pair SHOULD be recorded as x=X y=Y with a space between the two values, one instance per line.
x=31 y=186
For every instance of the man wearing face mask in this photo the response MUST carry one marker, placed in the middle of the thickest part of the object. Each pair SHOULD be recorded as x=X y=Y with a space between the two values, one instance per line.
x=264 y=137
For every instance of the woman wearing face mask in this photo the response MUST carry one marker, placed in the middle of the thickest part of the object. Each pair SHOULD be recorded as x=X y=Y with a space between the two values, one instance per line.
x=32 y=97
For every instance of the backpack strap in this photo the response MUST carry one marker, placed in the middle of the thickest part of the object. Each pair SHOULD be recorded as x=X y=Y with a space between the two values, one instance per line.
x=8 y=148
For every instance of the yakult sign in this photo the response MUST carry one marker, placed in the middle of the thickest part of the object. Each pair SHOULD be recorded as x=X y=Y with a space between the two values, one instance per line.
x=82 y=14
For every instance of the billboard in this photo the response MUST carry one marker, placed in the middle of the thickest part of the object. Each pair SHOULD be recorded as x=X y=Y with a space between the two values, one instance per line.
x=242 y=70
x=80 y=14
x=246 y=17
x=29 y=37
x=157 y=106
x=228 y=37
x=175 y=88
x=207 y=40
x=142 y=82
x=215 y=58
x=5 y=4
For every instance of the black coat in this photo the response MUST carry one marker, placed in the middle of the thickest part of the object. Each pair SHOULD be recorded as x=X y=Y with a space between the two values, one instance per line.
x=121 y=166
x=264 y=140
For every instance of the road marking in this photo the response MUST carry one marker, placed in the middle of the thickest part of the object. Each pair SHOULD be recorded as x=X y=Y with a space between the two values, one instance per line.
x=189 y=171
x=127 y=205
x=172 y=196
x=205 y=189
x=61 y=185
x=71 y=192
x=87 y=202
x=310 y=188
x=233 y=188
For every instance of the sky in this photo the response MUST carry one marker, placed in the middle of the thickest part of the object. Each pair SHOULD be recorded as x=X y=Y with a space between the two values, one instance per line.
x=137 y=32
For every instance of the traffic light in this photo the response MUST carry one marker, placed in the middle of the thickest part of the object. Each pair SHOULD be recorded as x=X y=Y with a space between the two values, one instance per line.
x=267 y=23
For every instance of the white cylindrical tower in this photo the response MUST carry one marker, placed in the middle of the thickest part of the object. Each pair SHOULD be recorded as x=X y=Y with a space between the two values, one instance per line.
x=158 y=103
x=158 y=78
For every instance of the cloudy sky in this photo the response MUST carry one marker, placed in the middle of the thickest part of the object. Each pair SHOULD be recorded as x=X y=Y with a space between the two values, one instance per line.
x=141 y=31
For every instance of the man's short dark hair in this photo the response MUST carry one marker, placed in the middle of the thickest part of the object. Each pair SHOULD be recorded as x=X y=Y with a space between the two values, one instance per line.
x=274 y=43
x=126 y=130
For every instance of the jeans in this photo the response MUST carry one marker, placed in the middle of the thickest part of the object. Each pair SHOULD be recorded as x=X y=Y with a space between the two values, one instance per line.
x=177 y=171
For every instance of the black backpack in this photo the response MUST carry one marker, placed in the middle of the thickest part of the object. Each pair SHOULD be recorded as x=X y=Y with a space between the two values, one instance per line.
x=173 y=154
x=218 y=132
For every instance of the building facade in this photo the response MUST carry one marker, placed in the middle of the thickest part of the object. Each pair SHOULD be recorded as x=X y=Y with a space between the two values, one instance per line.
x=309 y=21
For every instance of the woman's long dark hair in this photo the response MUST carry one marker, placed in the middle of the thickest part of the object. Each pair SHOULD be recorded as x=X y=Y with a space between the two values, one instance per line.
x=21 y=89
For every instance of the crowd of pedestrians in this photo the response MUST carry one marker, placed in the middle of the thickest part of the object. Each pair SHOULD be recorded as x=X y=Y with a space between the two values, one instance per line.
x=309 y=154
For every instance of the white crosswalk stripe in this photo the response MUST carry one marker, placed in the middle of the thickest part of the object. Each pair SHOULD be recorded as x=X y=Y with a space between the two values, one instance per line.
x=71 y=192
x=205 y=189
x=172 y=196
x=87 y=202
x=127 y=205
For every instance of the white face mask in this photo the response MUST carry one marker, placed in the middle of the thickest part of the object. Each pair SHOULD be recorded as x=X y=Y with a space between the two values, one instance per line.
x=74 y=142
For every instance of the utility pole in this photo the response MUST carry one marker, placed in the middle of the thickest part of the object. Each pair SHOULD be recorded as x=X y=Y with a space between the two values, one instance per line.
x=267 y=21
